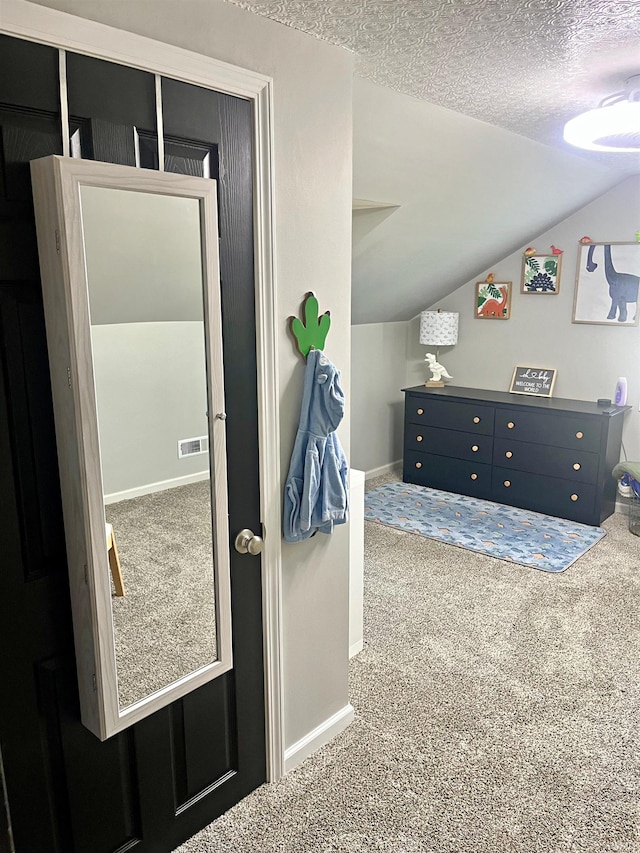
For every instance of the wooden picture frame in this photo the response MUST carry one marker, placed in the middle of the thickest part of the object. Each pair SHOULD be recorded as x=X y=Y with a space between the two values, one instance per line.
x=541 y=274
x=493 y=300
x=607 y=281
x=533 y=381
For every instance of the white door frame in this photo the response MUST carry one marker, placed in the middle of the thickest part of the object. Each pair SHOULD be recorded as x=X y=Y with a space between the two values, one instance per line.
x=68 y=32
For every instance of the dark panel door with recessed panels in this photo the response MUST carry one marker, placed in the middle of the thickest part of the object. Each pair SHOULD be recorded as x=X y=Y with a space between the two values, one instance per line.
x=159 y=782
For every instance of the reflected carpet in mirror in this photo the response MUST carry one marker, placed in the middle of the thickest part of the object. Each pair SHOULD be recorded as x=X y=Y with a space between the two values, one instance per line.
x=165 y=625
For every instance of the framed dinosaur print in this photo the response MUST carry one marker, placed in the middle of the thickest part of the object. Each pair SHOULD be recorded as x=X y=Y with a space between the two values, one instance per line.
x=607 y=279
x=541 y=273
x=493 y=300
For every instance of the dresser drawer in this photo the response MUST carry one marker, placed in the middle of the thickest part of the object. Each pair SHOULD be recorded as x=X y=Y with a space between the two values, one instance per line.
x=581 y=433
x=450 y=475
x=555 y=454
x=577 y=465
x=446 y=414
x=549 y=495
x=448 y=442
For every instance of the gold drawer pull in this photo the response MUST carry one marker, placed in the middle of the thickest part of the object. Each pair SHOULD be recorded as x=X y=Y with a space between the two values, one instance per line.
x=579 y=435
x=476 y=420
x=574 y=497
x=507 y=483
x=475 y=448
x=510 y=425
x=418 y=438
x=418 y=464
x=576 y=466
x=420 y=411
x=474 y=476
x=508 y=454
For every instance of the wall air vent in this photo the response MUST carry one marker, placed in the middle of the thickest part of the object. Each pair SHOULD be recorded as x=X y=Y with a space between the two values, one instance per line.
x=193 y=446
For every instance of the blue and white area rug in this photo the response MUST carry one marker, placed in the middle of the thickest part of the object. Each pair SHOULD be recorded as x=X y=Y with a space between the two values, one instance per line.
x=524 y=537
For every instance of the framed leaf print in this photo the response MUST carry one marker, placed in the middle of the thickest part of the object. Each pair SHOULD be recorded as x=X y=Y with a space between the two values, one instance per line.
x=541 y=274
x=493 y=300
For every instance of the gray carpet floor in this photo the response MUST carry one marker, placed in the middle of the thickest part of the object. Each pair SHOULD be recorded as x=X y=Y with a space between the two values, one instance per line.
x=165 y=625
x=497 y=711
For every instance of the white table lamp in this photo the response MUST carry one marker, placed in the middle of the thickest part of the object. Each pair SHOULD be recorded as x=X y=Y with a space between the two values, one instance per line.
x=438 y=329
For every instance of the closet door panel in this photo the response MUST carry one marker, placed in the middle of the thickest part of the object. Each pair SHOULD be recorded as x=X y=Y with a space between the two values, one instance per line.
x=151 y=787
x=110 y=107
x=85 y=773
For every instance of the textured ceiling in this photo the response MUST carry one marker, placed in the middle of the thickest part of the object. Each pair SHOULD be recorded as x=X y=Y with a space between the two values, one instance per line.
x=524 y=65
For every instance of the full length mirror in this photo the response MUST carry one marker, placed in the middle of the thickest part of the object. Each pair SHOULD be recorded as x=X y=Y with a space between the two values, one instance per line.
x=133 y=324
x=144 y=274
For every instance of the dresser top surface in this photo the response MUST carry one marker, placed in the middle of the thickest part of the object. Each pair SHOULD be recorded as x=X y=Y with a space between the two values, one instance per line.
x=506 y=398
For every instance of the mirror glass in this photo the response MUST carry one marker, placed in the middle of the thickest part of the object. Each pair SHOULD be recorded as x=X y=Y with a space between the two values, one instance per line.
x=144 y=268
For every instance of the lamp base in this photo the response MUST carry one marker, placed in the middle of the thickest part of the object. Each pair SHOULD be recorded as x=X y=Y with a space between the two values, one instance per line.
x=434 y=383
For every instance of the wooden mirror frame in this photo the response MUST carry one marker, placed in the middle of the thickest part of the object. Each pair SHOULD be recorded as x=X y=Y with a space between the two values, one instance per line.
x=56 y=191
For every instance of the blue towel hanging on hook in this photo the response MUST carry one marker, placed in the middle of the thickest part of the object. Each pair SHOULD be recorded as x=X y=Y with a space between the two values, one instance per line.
x=316 y=490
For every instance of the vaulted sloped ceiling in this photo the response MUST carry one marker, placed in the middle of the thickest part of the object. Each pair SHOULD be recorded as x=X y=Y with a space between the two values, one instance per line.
x=468 y=194
x=459 y=107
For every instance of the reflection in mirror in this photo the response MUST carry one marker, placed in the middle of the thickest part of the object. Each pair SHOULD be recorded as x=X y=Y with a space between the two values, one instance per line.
x=131 y=291
x=144 y=273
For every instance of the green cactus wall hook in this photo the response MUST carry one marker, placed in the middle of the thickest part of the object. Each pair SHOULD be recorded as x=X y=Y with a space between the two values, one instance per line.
x=313 y=332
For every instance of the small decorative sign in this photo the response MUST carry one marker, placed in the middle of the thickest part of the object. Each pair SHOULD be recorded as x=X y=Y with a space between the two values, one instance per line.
x=535 y=381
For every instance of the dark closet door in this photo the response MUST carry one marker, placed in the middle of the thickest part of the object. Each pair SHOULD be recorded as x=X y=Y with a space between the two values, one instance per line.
x=156 y=784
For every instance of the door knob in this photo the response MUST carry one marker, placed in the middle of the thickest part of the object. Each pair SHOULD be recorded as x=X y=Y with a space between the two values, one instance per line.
x=248 y=543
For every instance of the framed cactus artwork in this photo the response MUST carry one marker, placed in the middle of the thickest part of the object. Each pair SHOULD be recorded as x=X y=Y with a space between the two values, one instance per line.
x=493 y=300
x=541 y=273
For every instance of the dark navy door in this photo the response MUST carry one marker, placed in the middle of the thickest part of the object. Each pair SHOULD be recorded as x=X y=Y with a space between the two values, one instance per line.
x=156 y=784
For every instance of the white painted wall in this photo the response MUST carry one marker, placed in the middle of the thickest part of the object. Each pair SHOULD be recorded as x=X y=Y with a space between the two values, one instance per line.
x=378 y=369
x=468 y=194
x=151 y=391
x=356 y=561
x=143 y=256
x=313 y=153
x=589 y=358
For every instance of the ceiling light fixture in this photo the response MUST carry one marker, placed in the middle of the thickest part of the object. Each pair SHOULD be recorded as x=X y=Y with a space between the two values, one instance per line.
x=614 y=126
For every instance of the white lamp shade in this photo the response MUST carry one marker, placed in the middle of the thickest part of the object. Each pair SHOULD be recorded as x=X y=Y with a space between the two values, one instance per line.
x=439 y=328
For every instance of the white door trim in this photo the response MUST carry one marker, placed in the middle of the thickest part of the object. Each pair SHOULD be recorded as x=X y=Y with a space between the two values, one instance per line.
x=68 y=32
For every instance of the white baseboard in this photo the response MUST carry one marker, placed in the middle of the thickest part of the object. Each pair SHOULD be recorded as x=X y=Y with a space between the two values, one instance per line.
x=150 y=488
x=356 y=648
x=322 y=734
x=383 y=469
x=622 y=505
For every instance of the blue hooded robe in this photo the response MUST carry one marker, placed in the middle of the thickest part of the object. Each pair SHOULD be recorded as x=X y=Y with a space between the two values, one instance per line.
x=316 y=490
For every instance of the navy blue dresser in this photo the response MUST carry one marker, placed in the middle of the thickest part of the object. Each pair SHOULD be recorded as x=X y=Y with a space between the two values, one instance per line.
x=549 y=455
